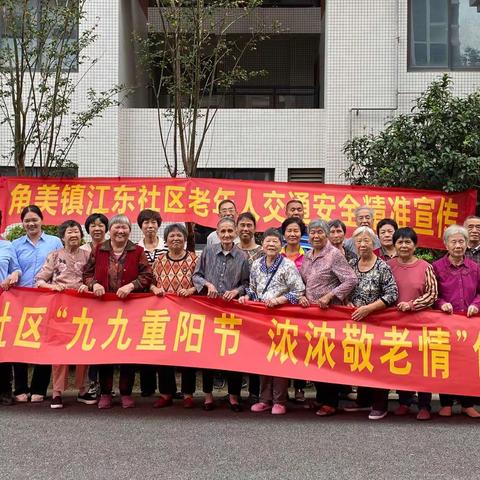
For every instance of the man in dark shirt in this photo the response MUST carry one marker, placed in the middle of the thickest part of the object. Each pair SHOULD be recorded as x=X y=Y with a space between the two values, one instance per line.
x=472 y=224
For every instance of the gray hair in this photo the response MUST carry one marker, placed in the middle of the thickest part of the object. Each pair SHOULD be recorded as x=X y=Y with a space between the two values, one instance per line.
x=225 y=220
x=470 y=217
x=364 y=207
x=174 y=227
x=364 y=229
x=319 y=223
x=453 y=230
x=122 y=219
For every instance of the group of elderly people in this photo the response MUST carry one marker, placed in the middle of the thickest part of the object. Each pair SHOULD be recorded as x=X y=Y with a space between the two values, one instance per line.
x=307 y=265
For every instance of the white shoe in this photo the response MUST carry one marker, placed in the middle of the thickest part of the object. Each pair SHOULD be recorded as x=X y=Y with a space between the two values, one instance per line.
x=37 y=398
x=22 y=398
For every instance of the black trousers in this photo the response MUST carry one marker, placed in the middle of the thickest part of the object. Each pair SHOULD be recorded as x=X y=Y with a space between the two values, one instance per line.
x=6 y=378
x=40 y=379
x=447 y=400
x=148 y=378
x=127 y=378
x=234 y=380
x=377 y=398
x=327 y=393
x=254 y=384
x=424 y=399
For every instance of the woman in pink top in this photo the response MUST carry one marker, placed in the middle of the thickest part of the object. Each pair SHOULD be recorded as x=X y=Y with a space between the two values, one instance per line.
x=292 y=230
x=417 y=289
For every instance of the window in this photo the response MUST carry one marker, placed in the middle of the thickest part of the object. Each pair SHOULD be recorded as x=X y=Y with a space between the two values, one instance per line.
x=265 y=174
x=444 y=34
x=312 y=175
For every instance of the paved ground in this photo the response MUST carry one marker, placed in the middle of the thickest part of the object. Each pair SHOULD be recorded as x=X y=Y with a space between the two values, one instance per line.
x=81 y=442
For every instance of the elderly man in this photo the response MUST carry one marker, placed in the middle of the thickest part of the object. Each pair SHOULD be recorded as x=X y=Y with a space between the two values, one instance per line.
x=226 y=209
x=223 y=272
x=472 y=224
x=364 y=218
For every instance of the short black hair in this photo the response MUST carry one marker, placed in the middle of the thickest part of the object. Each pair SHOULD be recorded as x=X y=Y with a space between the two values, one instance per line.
x=387 y=221
x=172 y=227
x=224 y=201
x=337 y=224
x=272 y=232
x=406 y=232
x=62 y=228
x=93 y=218
x=248 y=216
x=148 y=214
x=291 y=220
x=33 y=209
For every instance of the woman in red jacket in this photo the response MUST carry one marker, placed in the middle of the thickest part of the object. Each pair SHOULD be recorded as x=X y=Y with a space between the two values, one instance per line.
x=117 y=265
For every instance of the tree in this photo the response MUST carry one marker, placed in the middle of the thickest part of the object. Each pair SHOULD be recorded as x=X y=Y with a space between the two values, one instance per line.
x=41 y=55
x=192 y=61
x=437 y=146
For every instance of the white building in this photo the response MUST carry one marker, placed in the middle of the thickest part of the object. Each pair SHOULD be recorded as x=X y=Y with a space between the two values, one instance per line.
x=341 y=68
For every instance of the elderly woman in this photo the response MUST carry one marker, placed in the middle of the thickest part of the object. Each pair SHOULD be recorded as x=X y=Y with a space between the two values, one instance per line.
x=329 y=279
x=458 y=291
x=376 y=290
x=292 y=230
x=222 y=272
x=96 y=225
x=274 y=280
x=417 y=290
x=117 y=265
x=62 y=270
x=32 y=250
x=173 y=273
x=9 y=275
x=385 y=230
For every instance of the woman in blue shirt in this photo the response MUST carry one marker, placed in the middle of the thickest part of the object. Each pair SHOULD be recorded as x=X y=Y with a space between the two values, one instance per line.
x=32 y=250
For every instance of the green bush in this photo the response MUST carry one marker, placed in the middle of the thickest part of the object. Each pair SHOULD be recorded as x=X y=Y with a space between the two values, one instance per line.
x=18 y=231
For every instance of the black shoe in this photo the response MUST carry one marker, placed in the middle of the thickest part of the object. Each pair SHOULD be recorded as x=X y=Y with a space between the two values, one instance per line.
x=6 y=399
x=56 y=402
x=235 y=407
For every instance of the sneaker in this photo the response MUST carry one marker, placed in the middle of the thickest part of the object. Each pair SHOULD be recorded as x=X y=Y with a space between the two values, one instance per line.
x=299 y=396
x=127 y=401
x=87 y=399
x=402 y=410
x=22 y=398
x=105 y=401
x=37 y=398
x=355 y=407
x=424 y=414
x=94 y=389
x=162 y=402
x=56 y=402
x=279 y=409
x=377 y=414
x=260 y=407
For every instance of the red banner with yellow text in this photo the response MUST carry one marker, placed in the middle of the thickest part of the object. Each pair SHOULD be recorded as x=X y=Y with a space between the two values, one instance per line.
x=195 y=200
x=428 y=351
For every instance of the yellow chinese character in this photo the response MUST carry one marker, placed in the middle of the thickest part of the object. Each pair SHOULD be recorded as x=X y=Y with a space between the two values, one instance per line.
x=435 y=345
x=400 y=210
x=190 y=327
x=397 y=341
x=46 y=198
x=154 y=328
x=72 y=199
x=222 y=195
x=227 y=329
x=248 y=207
x=324 y=205
x=33 y=324
x=476 y=349
x=5 y=318
x=20 y=197
x=173 y=199
x=377 y=202
x=199 y=201
x=285 y=346
x=146 y=193
x=83 y=331
x=274 y=204
x=119 y=325
x=322 y=351
x=357 y=347
x=424 y=208
x=447 y=215
x=304 y=197
x=124 y=198
x=99 y=207
x=348 y=205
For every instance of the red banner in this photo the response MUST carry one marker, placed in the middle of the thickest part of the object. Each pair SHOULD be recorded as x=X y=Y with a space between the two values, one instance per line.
x=195 y=200
x=428 y=351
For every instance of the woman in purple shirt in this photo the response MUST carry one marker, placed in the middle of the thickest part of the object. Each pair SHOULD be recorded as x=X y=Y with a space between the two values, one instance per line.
x=458 y=291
